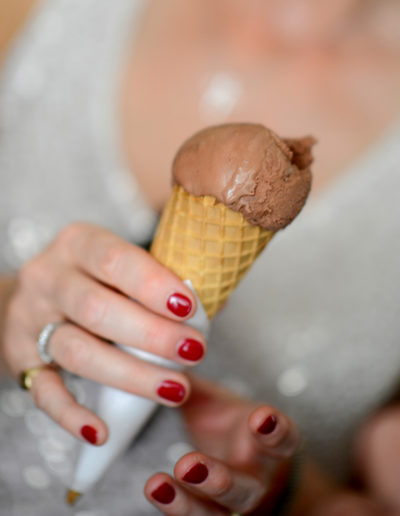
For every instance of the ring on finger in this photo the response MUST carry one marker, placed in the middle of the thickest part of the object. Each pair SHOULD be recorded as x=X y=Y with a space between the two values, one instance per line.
x=43 y=341
x=28 y=375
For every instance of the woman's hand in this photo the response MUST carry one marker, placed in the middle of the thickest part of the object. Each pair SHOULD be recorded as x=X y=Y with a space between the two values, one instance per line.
x=88 y=277
x=377 y=455
x=242 y=447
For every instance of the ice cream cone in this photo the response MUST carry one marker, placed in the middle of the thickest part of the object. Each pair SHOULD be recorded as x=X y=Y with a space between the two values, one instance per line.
x=202 y=240
x=236 y=185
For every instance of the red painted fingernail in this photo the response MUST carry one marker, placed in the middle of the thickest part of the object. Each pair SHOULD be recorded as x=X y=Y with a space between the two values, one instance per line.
x=191 y=349
x=179 y=304
x=164 y=493
x=89 y=433
x=171 y=391
x=196 y=474
x=268 y=426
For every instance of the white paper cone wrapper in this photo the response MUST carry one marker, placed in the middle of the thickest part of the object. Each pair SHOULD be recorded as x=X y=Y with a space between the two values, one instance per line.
x=125 y=415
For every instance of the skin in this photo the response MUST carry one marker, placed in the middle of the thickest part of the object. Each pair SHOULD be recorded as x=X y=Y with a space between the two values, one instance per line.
x=88 y=263
x=12 y=17
x=239 y=469
x=377 y=452
x=306 y=86
x=86 y=277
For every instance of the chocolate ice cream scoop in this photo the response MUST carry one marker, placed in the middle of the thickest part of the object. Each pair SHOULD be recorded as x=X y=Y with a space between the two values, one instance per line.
x=250 y=169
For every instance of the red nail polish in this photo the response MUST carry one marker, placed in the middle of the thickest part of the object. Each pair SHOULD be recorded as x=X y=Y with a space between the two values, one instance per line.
x=196 y=474
x=171 y=391
x=191 y=349
x=89 y=433
x=179 y=304
x=268 y=426
x=164 y=493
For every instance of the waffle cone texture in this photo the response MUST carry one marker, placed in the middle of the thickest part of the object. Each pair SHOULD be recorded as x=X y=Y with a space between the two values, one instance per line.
x=202 y=240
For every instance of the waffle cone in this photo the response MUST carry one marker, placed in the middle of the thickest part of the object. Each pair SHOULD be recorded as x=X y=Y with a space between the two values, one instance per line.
x=202 y=240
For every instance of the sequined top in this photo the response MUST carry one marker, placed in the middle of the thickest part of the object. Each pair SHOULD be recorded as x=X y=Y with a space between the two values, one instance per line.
x=313 y=328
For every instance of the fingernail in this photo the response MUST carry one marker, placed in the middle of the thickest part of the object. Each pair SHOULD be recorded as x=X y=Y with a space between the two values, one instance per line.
x=268 y=426
x=179 y=304
x=164 y=493
x=171 y=391
x=196 y=474
x=191 y=349
x=89 y=433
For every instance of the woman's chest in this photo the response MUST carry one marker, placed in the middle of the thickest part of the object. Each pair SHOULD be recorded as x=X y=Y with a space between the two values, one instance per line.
x=174 y=90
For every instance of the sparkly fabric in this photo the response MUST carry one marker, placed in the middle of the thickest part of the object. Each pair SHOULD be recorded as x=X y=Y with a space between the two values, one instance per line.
x=312 y=329
x=60 y=158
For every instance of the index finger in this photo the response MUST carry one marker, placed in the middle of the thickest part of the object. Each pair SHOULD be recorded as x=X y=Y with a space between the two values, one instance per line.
x=128 y=269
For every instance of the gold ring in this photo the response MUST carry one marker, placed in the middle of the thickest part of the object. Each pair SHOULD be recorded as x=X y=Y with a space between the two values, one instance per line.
x=26 y=377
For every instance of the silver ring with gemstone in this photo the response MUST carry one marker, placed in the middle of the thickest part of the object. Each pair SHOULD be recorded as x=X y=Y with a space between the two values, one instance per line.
x=43 y=341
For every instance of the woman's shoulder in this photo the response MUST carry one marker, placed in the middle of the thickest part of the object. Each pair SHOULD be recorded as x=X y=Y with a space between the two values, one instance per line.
x=13 y=15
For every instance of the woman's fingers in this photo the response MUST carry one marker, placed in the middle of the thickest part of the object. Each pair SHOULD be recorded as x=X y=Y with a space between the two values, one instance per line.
x=274 y=437
x=265 y=443
x=21 y=332
x=173 y=499
x=204 y=484
x=88 y=277
x=128 y=269
x=234 y=489
x=82 y=353
x=113 y=316
x=51 y=395
x=85 y=355
x=275 y=434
